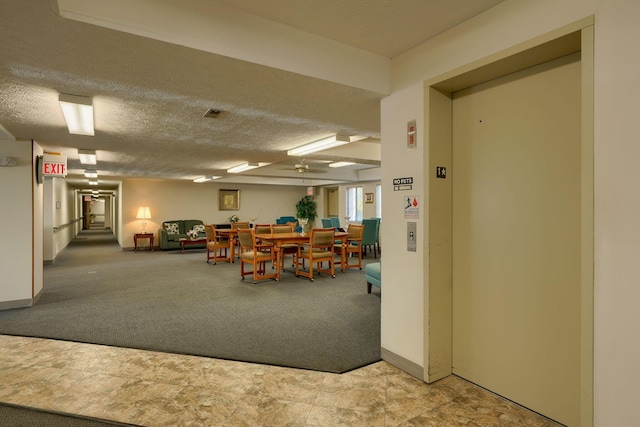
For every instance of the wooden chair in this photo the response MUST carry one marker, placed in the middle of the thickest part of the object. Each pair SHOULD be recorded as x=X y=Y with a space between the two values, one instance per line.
x=287 y=248
x=264 y=246
x=321 y=248
x=294 y=225
x=244 y=224
x=351 y=245
x=218 y=247
x=251 y=254
x=236 y=226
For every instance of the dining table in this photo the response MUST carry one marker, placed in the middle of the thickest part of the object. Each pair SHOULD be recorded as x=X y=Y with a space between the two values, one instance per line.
x=279 y=239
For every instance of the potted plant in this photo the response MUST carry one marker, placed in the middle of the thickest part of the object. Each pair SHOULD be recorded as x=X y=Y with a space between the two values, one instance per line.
x=306 y=208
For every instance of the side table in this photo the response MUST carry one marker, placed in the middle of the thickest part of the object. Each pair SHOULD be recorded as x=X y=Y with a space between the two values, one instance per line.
x=137 y=236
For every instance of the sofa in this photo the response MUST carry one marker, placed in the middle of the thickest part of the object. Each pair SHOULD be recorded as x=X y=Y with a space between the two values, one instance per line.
x=167 y=239
x=372 y=275
x=172 y=231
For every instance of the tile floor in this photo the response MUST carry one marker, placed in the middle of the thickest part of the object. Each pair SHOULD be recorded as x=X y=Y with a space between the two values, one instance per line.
x=161 y=389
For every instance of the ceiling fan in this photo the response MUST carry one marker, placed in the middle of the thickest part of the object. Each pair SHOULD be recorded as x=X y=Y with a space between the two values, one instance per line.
x=303 y=167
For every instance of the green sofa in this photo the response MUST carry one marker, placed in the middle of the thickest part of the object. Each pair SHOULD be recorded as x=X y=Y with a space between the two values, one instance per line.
x=172 y=231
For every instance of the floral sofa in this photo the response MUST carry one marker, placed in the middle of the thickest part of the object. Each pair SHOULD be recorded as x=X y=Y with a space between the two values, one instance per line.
x=172 y=231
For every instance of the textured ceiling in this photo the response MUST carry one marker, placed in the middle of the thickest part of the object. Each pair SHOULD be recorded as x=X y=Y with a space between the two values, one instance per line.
x=150 y=96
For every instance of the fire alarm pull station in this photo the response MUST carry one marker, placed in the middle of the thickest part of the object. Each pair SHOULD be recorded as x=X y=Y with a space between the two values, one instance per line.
x=411 y=236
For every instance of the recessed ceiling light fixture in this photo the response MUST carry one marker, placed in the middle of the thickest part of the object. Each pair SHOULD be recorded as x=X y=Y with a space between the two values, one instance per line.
x=89 y=173
x=87 y=157
x=340 y=164
x=323 y=144
x=93 y=182
x=243 y=167
x=206 y=178
x=78 y=113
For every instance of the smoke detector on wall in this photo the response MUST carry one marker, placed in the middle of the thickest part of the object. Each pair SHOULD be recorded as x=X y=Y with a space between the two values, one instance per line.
x=8 y=161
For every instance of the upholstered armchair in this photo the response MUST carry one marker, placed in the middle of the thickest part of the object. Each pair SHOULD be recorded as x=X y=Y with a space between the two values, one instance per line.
x=370 y=235
x=218 y=246
x=250 y=253
x=320 y=249
x=287 y=248
x=351 y=247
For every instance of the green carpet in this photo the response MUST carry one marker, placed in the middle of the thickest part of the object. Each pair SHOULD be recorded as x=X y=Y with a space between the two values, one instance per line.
x=172 y=302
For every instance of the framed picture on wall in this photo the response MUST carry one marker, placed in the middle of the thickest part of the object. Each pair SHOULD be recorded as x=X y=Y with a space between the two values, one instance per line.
x=229 y=200
x=368 y=197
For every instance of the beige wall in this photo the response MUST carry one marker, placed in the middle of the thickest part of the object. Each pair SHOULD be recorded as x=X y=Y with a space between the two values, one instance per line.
x=171 y=200
x=59 y=212
x=403 y=272
x=21 y=216
x=616 y=204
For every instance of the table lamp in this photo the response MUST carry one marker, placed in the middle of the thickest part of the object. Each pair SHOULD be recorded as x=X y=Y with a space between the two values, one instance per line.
x=144 y=213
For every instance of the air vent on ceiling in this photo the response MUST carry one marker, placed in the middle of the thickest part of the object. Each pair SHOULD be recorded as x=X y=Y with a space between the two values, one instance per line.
x=212 y=113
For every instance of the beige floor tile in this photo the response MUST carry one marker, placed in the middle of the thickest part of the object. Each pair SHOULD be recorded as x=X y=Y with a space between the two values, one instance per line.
x=162 y=389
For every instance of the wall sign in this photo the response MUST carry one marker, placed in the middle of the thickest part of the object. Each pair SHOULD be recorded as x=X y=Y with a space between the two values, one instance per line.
x=401 y=184
x=441 y=172
x=412 y=135
x=411 y=207
x=54 y=165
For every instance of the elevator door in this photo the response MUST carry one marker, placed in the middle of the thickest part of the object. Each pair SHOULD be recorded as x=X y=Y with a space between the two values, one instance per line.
x=516 y=237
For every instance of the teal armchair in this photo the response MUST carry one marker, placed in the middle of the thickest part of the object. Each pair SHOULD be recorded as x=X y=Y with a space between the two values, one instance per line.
x=370 y=235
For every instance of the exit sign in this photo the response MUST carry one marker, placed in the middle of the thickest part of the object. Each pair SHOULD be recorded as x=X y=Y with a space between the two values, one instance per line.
x=54 y=165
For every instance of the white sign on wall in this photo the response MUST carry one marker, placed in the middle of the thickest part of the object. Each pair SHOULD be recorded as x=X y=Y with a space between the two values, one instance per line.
x=411 y=207
x=54 y=165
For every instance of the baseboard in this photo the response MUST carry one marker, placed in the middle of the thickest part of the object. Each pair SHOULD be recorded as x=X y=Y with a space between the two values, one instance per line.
x=21 y=303
x=37 y=297
x=400 y=362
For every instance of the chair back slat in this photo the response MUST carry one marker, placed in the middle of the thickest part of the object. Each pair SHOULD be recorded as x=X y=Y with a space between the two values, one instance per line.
x=322 y=237
x=262 y=228
x=276 y=228
x=210 y=232
x=355 y=232
x=247 y=238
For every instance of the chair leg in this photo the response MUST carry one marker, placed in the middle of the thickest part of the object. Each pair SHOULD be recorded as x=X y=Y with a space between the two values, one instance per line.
x=368 y=287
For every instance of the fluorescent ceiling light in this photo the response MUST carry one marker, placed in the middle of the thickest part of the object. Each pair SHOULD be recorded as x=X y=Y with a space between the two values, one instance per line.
x=87 y=157
x=340 y=164
x=323 y=144
x=90 y=173
x=93 y=182
x=78 y=113
x=243 y=167
x=206 y=178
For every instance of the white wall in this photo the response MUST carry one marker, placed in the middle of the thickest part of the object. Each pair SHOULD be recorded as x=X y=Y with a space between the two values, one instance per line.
x=617 y=175
x=38 y=226
x=16 y=193
x=59 y=213
x=403 y=272
x=172 y=200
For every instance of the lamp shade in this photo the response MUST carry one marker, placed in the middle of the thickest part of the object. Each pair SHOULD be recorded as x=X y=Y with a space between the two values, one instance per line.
x=143 y=212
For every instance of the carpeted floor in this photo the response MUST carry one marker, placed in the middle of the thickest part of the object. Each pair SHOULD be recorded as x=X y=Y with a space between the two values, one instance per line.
x=18 y=416
x=172 y=302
